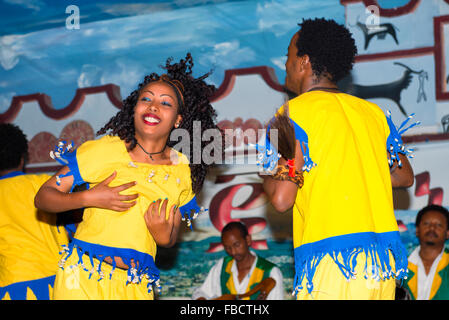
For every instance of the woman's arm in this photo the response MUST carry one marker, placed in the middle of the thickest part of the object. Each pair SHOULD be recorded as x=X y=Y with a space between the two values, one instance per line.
x=282 y=194
x=164 y=230
x=52 y=197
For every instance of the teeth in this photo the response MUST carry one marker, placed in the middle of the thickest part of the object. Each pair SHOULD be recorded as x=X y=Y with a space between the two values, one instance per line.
x=152 y=120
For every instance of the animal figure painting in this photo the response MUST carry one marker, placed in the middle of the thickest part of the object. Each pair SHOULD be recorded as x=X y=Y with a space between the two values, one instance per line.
x=392 y=90
x=380 y=31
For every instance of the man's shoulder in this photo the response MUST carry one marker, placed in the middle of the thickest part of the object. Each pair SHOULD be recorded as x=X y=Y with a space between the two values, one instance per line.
x=309 y=97
x=219 y=263
x=444 y=264
x=36 y=179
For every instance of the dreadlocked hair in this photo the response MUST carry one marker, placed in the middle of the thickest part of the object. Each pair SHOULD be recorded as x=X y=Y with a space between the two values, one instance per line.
x=286 y=133
x=195 y=107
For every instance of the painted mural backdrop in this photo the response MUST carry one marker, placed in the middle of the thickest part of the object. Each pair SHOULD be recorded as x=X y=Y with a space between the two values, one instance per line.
x=65 y=67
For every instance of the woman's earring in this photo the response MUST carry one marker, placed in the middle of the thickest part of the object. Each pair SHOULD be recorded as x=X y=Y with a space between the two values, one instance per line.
x=176 y=125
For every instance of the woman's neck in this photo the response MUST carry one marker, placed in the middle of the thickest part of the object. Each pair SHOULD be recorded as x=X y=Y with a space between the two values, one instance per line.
x=150 y=151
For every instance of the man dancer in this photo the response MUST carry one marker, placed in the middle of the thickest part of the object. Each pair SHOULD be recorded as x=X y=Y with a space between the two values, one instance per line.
x=345 y=235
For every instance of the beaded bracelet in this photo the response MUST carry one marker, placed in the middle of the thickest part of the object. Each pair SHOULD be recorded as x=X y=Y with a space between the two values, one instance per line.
x=284 y=173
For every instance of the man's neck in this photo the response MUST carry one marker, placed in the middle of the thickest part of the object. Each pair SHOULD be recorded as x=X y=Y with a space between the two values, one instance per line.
x=314 y=82
x=246 y=263
x=244 y=266
x=428 y=253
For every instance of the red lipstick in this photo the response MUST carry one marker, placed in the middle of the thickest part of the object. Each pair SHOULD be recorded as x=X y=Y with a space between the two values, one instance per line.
x=151 y=115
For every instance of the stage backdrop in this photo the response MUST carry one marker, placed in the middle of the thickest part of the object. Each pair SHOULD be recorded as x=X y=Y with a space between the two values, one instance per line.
x=65 y=68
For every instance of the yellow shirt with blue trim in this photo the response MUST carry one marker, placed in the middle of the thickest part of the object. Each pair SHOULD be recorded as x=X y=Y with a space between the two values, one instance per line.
x=346 y=204
x=30 y=240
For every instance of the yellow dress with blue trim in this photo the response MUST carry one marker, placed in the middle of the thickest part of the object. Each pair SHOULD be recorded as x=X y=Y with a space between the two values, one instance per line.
x=343 y=215
x=30 y=240
x=106 y=233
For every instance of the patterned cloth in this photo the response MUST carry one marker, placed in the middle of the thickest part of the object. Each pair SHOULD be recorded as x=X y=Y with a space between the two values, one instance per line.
x=439 y=288
x=223 y=278
x=260 y=272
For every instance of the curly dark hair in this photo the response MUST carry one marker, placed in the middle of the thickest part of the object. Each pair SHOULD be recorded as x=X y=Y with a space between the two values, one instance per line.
x=195 y=107
x=13 y=146
x=329 y=45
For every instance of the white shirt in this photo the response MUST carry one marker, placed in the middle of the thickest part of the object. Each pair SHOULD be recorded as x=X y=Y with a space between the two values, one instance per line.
x=424 y=280
x=211 y=288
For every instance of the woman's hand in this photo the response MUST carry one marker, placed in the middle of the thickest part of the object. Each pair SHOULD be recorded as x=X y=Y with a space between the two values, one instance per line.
x=55 y=196
x=163 y=230
x=105 y=197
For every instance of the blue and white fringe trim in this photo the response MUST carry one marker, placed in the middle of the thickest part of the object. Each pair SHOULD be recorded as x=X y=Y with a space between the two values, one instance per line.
x=19 y=290
x=267 y=155
x=186 y=211
x=65 y=154
x=303 y=139
x=394 y=140
x=145 y=266
x=344 y=251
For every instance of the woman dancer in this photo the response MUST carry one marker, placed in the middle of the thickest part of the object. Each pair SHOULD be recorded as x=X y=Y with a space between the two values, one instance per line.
x=139 y=187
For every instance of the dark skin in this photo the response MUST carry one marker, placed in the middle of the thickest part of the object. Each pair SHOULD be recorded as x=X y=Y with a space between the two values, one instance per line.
x=20 y=167
x=300 y=78
x=157 y=100
x=432 y=233
x=237 y=247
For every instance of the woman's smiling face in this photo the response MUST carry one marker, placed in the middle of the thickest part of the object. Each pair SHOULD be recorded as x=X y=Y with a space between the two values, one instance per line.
x=156 y=110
